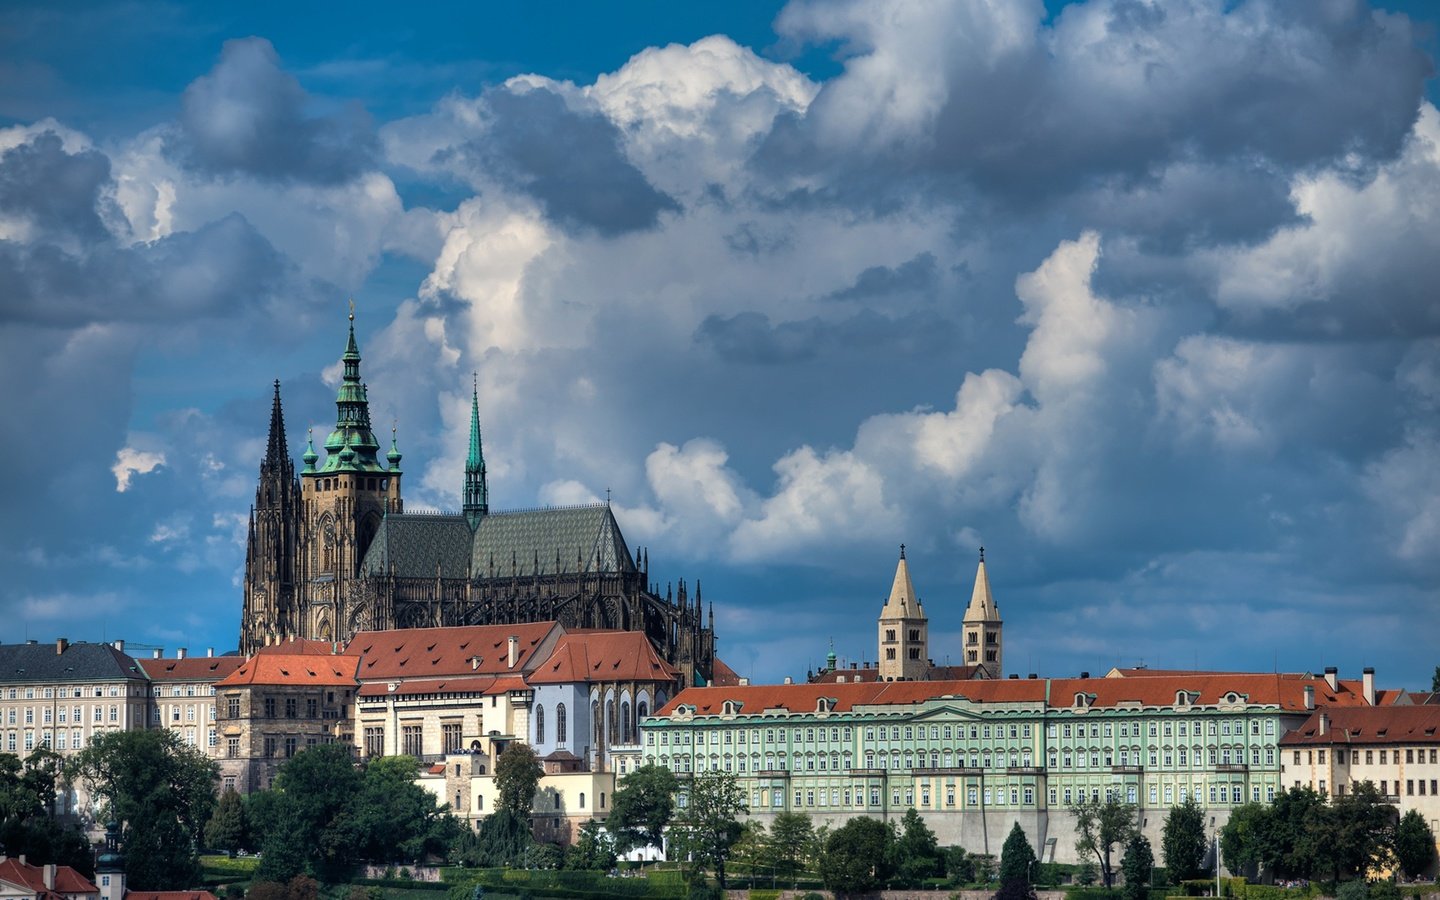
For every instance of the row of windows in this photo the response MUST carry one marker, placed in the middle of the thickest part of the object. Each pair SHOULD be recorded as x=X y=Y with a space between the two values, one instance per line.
x=1170 y=757
x=1168 y=728
x=49 y=693
x=190 y=690
x=15 y=716
x=367 y=483
x=1412 y=755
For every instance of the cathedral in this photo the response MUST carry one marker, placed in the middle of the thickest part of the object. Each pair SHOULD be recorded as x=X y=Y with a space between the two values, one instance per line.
x=332 y=552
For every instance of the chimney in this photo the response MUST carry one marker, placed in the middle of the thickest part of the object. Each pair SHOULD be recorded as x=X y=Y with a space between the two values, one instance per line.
x=1084 y=674
x=514 y=655
x=209 y=652
x=180 y=653
x=157 y=653
x=1324 y=724
x=120 y=645
x=788 y=680
x=50 y=876
x=744 y=682
x=1367 y=683
x=61 y=645
x=1309 y=696
x=1332 y=677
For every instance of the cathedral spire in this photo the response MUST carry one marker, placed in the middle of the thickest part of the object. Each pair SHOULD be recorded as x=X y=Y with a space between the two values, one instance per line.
x=352 y=446
x=276 y=453
x=982 y=627
x=477 y=492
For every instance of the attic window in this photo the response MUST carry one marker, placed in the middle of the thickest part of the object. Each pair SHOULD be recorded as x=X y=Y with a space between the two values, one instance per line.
x=728 y=708
x=824 y=704
x=1083 y=700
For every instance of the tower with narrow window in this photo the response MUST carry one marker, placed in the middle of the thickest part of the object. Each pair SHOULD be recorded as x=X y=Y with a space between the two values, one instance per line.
x=904 y=654
x=984 y=643
x=273 y=547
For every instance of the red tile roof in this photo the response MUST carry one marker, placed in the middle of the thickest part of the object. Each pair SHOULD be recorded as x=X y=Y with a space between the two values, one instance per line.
x=434 y=652
x=721 y=675
x=67 y=880
x=589 y=656
x=293 y=669
x=1283 y=691
x=1370 y=725
x=935 y=673
x=194 y=668
x=306 y=646
x=460 y=684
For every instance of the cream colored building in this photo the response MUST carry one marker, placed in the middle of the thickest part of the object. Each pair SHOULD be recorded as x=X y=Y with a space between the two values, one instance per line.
x=182 y=695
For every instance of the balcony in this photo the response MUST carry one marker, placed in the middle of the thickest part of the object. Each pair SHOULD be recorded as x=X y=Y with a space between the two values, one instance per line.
x=1127 y=770
x=1026 y=770
x=1232 y=767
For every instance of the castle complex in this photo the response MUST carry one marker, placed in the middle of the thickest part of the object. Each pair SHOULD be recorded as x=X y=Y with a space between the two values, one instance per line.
x=332 y=552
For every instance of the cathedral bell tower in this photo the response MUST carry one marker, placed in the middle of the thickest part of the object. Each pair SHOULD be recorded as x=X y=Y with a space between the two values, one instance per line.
x=344 y=500
x=984 y=644
x=904 y=653
x=273 y=542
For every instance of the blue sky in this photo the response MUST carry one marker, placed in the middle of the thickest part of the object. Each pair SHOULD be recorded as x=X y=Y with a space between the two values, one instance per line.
x=1139 y=296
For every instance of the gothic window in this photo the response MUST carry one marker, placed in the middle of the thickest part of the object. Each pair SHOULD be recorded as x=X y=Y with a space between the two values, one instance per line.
x=539 y=724
x=626 y=732
x=560 y=724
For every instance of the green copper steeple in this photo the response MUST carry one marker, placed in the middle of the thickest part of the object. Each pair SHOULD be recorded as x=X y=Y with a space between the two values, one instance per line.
x=477 y=493
x=351 y=447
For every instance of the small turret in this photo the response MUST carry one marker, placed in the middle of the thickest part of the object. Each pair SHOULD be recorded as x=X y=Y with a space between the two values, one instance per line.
x=393 y=457
x=477 y=491
x=310 y=456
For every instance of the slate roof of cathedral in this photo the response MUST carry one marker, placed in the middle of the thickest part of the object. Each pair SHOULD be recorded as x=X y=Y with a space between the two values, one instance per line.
x=592 y=655
x=1283 y=691
x=192 y=668
x=80 y=661
x=419 y=545
x=293 y=669
x=1370 y=725
x=405 y=653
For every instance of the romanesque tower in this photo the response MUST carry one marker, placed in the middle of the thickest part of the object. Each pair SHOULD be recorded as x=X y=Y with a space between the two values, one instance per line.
x=984 y=644
x=903 y=642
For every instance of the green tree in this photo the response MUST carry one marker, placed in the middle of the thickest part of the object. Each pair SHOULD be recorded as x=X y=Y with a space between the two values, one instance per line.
x=917 y=852
x=1414 y=844
x=1356 y=834
x=1016 y=856
x=502 y=839
x=314 y=829
x=1136 y=865
x=1099 y=826
x=857 y=856
x=1435 y=681
x=1183 y=842
x=1248 y=838
x=397 y=819
x=959 y=866
x=28 y=824
x=709 y=822
x=161 y=791
x=226 y=829
x=517 y=774
x=593 y=848
x=643 y=804
x=790 y=840
x=753 y=851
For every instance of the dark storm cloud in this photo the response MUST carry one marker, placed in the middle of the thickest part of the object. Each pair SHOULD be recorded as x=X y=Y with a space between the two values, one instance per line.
x=1030 y=113
x=918 y=274
x=749 y=337
x=250 y=117
x=58 y=193
x=219 y=269
x=570 y=161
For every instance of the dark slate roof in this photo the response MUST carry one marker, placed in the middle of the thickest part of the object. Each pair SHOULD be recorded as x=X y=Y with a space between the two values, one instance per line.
x=416 y=544
x=80 y=662
x=585 y=538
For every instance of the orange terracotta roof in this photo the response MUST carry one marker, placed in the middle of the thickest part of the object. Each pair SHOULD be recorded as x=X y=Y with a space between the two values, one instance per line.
x=459 y=684
x=936 y=673
x=1284 y=692
x=721 y=675
x=67 y=880
x=301 y=669
x=1370 y=725
x=588 y=656
x=456 y=650
x=194 y=668
x=296 y=645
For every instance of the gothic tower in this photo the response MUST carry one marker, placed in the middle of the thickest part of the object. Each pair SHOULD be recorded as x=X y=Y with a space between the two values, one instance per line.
x=984 y=645
x=477 y=491
x=903 y=642
x=344 y=501
x=272 y=547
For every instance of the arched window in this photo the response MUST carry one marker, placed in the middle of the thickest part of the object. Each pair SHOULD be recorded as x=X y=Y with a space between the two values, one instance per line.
x=539 y=724
x=597 y=724
x=582 y=799
x=642 y=709
x=560 y=725
x=625 y=730
x=612 y=725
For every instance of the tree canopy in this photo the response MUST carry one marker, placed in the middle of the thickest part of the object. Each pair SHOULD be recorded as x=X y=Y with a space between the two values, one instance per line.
x=643 y=804
x=1016 y=856
x=1099 y=826
x=1183 y=841
x=28 y=821
x=1302 y=835
x=517 y=774
x=227 y=828
x=857 y=856
x=1414 y=844
x=1136 y=865
x=161 y=792
x=789 y=844
x=709 y=822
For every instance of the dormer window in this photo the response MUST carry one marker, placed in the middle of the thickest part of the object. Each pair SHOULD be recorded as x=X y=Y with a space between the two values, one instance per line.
x=729 y=708
x=824 y=705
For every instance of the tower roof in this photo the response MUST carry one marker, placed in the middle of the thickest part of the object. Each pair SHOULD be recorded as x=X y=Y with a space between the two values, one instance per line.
x=351 y=447
x=902 y=602
x=982 y=606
